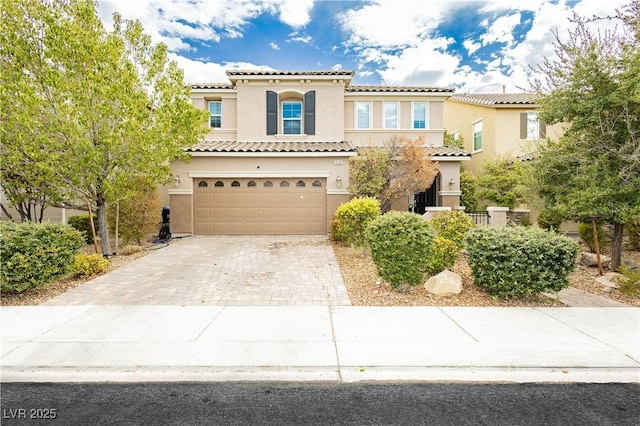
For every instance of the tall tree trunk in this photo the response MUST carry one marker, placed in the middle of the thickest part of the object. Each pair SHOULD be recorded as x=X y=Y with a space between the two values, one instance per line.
x=4 y=209
x=105 y=244
x=616 y=249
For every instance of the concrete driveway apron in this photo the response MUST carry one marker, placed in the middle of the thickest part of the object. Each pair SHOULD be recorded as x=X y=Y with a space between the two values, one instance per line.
x=223 y=270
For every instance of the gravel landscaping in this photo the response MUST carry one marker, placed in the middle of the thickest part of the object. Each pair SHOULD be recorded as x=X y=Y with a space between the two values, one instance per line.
x=366 y=288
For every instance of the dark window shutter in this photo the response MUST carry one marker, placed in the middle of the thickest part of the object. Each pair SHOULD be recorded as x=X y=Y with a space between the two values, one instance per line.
x=272 y=113
x=543 y=130
x=523 y=125
x=310 y=113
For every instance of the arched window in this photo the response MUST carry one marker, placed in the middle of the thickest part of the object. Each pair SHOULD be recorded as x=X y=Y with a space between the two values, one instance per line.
x=268 y=184
x=317 y=184
x=219 y=184
x=284 y=184
x=202 y=184
x=300 y=184
x=235 y=184
x=251 y=184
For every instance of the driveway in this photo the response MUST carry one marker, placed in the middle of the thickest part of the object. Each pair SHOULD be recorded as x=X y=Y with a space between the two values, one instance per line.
x=222 y=270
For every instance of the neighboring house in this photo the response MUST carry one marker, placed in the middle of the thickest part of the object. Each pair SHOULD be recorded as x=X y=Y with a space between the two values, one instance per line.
x=494 y=125
x=276 y=158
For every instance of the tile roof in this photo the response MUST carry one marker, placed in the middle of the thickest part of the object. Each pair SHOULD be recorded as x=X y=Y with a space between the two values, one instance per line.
x=491 y=99
x=289 y=73
x=446 y=151
x=394 y=89
x=212 y=86
x=285 y=146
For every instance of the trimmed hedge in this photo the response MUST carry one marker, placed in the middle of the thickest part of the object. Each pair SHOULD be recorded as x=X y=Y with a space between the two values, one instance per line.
x=351 y=220
x=36 y=254
x=401 y=246
x=519 y=261
x=87 y=265
x=445 y=253
x=452 y=225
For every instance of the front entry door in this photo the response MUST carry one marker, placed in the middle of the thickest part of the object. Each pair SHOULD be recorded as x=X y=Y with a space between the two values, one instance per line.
x=428 y=198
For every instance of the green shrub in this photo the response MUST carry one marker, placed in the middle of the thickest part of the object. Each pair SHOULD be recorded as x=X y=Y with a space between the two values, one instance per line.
x=629 y=283
x=633 y=228
x=401 y=246
x=519 y=261
x=139 y=216
x=445 y=253
x=353 y=217
x=81 y=223
x=550 y=218
x=468 y=188
x=87 y=265
x=452 y=225
x=585 y=230
x=36 y=254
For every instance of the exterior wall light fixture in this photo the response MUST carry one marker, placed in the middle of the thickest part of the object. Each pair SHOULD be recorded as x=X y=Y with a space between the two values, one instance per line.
x=177 y=180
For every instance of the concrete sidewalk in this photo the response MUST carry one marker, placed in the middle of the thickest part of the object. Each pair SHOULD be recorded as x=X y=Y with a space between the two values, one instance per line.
x=319 y=343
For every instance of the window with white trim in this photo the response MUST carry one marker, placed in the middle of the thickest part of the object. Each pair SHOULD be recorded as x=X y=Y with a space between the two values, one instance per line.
x=419 y=115
x=363 y=115
x=215 y=112
x=477 y=135
x=391 y=111
x=531 y=127
x=291 y=117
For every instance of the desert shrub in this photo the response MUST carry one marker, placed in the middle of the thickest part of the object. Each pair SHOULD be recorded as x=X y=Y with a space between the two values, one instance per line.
x=550 y=219
x=444 y=255
x=87 y=265
x=353 y=217
x=452 y=225
x=629 y=283
x=140 y=215
x=401 y=246
x=130 y=249
x=33 y=255
x=81 y=223
x=519 y=261
x=585 y=230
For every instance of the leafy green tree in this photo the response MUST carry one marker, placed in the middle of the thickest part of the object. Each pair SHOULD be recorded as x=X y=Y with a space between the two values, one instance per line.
x=91 y=112
x=402 y=166
x=452 y=142
x=593 y=171
x=468 y=187
x=503 y=181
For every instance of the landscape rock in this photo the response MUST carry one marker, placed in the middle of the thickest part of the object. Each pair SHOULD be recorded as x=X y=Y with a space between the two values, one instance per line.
x=446 y=283
x=591 y=260
x=609 y=280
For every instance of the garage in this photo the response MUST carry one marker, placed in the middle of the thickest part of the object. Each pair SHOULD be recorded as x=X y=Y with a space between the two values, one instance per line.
x=260 y=205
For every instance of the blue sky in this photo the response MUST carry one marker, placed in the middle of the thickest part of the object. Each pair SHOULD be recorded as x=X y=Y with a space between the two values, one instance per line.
x=473 y=46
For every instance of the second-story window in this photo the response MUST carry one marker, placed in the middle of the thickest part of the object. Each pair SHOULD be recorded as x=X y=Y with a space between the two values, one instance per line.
x=363 y=115
x=292 y=117
x=391 y=113
x=531 y=127
x=419 y=120
x=215 y=111
x=477 y=135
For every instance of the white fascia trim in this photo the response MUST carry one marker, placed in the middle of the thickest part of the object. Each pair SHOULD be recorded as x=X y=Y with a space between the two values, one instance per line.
x=180 y=191
x=452 y=159
x=254 y=174
x=337 y=192
x=398 y=130
x=273 y=154
x=449 y=192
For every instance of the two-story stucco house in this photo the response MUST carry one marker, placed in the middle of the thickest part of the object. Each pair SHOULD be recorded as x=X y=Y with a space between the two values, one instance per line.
x=495 y=125
x=276 y=158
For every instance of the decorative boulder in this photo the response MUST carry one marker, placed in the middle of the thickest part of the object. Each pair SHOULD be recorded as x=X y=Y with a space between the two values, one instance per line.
x=591 y=259
x=446 y=283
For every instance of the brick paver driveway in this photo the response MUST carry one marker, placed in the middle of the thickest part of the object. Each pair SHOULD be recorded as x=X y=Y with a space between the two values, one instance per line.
x=222 y=270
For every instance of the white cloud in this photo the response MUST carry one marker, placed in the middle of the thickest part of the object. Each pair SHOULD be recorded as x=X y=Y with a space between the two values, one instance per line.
x=471 y=46
x=501 y=30
x=295 y=13
x=205 y=72
x=274 y=45
x=299 y=38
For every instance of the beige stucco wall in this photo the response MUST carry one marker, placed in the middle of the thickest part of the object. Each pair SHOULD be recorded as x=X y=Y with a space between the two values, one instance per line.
x=251 y=100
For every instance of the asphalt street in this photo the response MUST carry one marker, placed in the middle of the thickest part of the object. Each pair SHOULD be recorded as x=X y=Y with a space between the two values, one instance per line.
x=241 y=403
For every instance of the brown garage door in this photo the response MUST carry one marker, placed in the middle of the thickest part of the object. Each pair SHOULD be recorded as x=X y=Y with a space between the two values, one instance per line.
x=260 y=206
